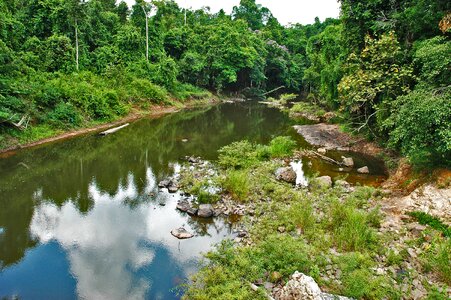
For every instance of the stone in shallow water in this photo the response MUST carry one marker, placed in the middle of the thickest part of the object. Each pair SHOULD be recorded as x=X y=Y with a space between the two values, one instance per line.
x=164 y=183
x=205 y=211
x=183 y=205
x=173 y=189
x=322 y=150
x=181 y=233
x=363 y=170
x=348 y=162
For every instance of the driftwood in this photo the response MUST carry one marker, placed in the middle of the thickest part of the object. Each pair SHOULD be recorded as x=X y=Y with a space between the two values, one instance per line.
x=272 y=91
x=113 y=130
x=326 y=158
x=22 y=124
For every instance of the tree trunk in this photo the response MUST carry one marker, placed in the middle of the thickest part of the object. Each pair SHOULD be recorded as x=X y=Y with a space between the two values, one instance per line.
x=76 y=44
x=147 y=35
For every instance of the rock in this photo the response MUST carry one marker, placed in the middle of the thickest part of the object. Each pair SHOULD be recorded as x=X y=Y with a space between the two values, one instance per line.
x=181 y=233
x=342 y=183
x=183 y=205
x=184 y=140
x=268 y=286
x=416 y=229
x=418 y=294
x=205 y=211
x=363 y=170
x=304 y=287
x=192 y=160
x=412 y=252
x=173 y=189
x=281 y=229
x=324 y=181
x=300 y=286
x=164 y=183
x=192 y=211
x=322 y=150
x=286 y=174
x=348 y=162
x=242 y=233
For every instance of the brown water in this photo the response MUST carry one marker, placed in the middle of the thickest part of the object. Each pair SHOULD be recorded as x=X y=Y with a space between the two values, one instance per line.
x=84 y=218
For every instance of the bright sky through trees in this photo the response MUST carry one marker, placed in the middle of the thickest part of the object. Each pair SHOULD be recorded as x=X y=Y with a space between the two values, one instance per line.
x=286 y=11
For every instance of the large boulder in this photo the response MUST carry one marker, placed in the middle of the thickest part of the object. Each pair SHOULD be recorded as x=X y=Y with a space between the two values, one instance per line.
x=300 y=286
x=304 y=287
x=286 y=174
x=205 y=211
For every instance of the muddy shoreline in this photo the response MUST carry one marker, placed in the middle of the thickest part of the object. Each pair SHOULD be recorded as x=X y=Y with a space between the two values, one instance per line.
x=153 y=112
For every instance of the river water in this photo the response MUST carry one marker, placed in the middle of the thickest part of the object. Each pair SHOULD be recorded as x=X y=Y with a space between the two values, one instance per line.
x=84 y=219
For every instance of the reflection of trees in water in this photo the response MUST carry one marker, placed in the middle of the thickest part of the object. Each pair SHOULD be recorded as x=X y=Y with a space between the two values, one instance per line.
x=64 y=170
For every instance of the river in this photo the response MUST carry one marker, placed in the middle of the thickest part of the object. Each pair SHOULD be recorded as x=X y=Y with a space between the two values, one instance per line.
x=84 y=219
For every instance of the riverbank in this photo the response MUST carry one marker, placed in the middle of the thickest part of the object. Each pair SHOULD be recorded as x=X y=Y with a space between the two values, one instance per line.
x=354 y=241
x=15 y=144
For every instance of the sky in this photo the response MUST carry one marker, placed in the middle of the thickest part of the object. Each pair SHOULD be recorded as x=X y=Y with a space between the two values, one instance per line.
x=286 y=11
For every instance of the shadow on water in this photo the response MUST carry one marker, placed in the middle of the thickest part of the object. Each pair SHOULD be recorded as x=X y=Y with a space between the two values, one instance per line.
x=83 y=218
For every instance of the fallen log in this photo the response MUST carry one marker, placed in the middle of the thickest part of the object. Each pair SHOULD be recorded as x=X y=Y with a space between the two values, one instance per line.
x=113 y=130
x=326 y=158
x=274 y=90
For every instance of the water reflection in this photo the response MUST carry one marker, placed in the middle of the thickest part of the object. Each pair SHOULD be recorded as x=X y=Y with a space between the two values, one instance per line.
x=112 y=243
x=86 y=218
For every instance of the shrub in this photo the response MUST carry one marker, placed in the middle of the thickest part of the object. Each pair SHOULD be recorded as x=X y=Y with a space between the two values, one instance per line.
x=64 y=115
x=422 y=130
x=238 y=155
x=281 y=146
x=145 y=90
x=433 y=59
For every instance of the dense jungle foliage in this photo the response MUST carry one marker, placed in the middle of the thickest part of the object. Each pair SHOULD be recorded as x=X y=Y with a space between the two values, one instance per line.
x=384 y=64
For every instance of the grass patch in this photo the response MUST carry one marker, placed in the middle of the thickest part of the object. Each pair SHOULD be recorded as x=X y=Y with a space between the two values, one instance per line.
x=237 y=184
x=426 y=219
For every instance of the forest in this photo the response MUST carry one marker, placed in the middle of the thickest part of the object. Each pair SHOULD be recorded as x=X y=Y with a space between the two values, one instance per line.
x=385 y=65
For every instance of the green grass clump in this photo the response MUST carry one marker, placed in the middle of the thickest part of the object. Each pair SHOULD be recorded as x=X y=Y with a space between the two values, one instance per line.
x=306 y=107
x=238 y=155
x=351 y=227
x=237 y=184
x=438 y=258
x=244 y=154
x=281 y=146
x=426 y=219
x=204 y=197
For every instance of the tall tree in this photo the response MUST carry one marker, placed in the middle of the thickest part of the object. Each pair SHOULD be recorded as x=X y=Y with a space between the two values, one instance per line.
x=76 y=10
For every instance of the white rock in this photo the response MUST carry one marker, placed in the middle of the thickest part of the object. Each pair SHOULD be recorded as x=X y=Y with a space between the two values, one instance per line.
x=348 y=162
x=363 y=170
